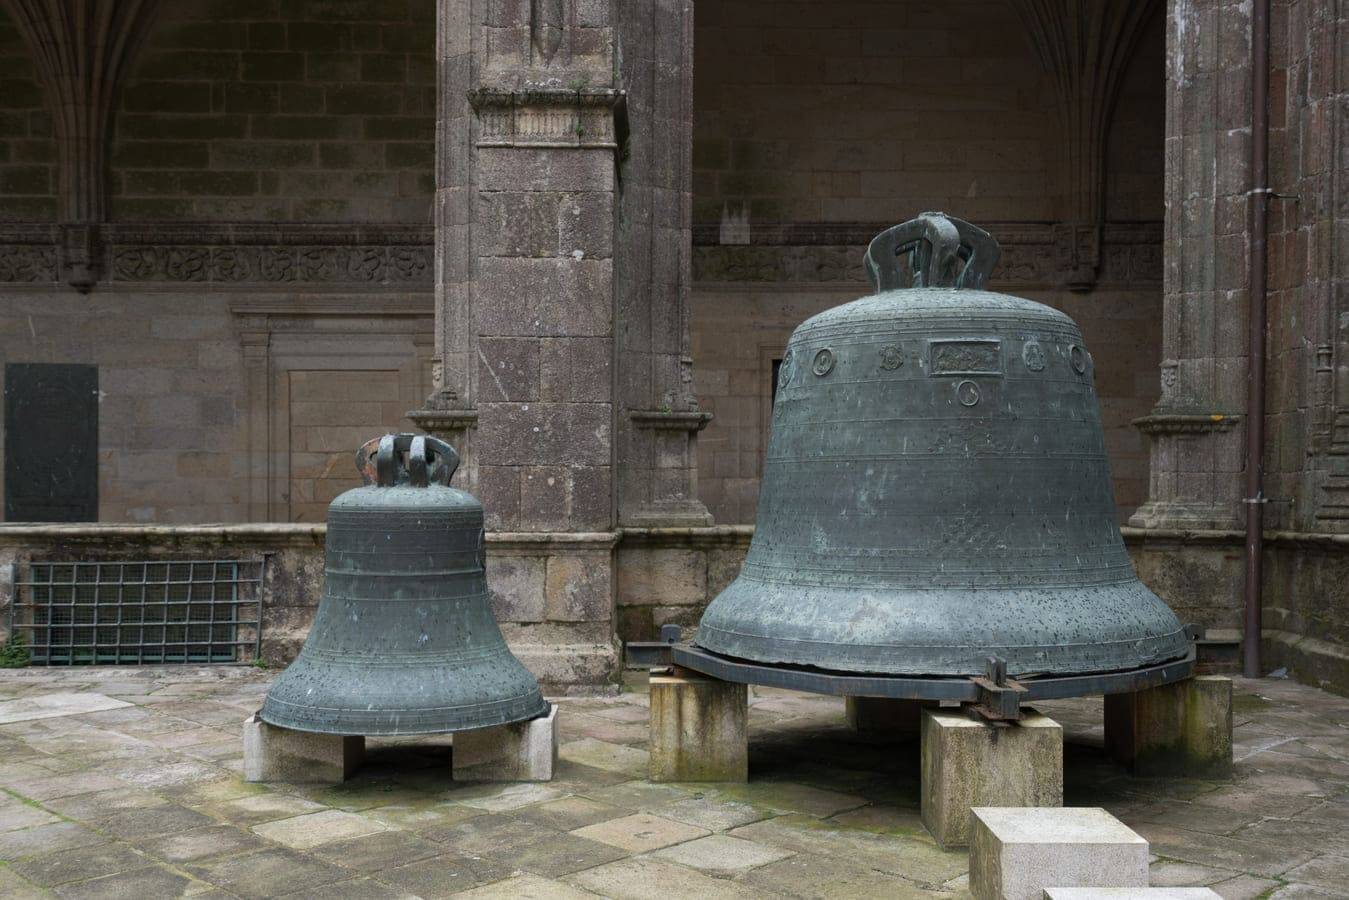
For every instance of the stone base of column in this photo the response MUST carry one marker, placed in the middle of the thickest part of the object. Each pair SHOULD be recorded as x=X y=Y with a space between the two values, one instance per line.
x=569 y=670
x=1181 y=729
x=520 y=751
x=699 y=729
x=1016 y=854
x=968 y=762
x=884 y=717
x=298 y=757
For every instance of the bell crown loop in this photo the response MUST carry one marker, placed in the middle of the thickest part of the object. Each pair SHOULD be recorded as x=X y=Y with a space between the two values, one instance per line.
x=417 y=460
x=937 y=245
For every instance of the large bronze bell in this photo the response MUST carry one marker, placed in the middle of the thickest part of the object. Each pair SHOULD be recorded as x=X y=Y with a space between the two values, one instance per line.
x=404 y=641
x=936 y=490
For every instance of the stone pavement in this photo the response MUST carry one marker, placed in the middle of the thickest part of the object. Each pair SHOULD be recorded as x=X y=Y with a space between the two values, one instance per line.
x=126 y=783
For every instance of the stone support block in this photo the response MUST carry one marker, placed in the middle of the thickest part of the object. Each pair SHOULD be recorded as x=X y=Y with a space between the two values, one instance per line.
x=1147 y=893
x=1180 y=729
x=882 y=716
x=298 y=757
x=699 y=729
x=520 y=751
x=967 y=762
x=1018 y=852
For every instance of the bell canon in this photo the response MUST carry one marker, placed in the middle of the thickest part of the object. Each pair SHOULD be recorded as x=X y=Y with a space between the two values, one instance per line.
x=404 y=640
x=936 y=490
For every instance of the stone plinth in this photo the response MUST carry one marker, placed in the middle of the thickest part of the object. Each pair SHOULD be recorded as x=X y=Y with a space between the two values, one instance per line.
x=1018 y=852
x=968 y=762
x=520 y=751
x=884 y=717
x=1131 y=893
x=1182 y=729
x=298 y=757
x=699 y=729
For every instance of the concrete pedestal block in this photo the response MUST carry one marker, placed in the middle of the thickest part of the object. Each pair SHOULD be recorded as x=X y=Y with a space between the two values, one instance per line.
x=298 y=757
x=968 y=762
x=1018 y=852
x=1181 y=729
x=1148 y=893
x=521 y=751
x=699 y=729
x=885 y=717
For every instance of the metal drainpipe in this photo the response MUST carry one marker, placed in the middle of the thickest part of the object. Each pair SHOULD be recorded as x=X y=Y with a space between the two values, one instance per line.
x=1255 y=382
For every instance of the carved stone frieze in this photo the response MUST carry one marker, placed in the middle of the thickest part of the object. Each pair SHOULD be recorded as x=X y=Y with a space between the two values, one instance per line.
x=1032 y=254
x=28 y=264
x=546 y=117
x=224 y=255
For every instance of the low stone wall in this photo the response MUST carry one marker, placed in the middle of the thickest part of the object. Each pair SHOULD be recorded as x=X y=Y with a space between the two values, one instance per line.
x=567 y=601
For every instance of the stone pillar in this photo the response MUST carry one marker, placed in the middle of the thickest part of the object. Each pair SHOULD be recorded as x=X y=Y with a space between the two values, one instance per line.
x=699 y=729
x=1197 y=454
x=1182 y=729
x=83 y=50
x=658 y=416
x=968 y=762
x=525 y=326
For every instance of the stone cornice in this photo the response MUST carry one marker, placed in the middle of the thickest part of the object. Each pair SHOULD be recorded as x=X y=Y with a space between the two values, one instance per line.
x=660 y=420
x=1185 y=423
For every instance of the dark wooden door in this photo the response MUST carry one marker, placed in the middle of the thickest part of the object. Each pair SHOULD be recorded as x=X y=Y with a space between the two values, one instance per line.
x=51 y=443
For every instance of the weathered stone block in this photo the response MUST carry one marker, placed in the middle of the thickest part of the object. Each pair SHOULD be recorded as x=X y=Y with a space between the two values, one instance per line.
x=1015 y=853
x=699 y=729
x=298 y=757
x=968 y=762
x=521 y=751
x=1131 y=893
x=1182 y=729
x=882 y=716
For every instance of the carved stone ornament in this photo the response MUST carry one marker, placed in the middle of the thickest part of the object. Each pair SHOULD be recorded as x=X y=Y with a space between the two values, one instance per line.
x=546 y=117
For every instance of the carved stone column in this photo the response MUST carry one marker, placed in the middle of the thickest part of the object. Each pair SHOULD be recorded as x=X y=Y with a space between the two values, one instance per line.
x=525 y=325
x=83 y=50
x=659 y=419
x=1197 y=437
x=1084 y=47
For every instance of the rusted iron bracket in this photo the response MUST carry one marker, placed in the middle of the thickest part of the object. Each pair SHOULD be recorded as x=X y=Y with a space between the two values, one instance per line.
x=999 y=696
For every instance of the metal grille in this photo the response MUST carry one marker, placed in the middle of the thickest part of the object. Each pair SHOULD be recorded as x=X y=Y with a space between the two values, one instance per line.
x=129 y=613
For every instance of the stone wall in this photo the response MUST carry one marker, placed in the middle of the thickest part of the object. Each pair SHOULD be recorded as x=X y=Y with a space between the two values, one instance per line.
x=27 y=149
x=667 y=575
x=221 y=407
x=296 y=111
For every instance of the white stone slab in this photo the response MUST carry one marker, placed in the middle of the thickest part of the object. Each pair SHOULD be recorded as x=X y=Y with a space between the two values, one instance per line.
x=1124 y=893
x=520 y=751
x=1018 y=852
x=51 y=706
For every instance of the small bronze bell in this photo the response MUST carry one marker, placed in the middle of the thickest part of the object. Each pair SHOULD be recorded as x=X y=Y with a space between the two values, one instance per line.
x=404 y=641
x=936 y=490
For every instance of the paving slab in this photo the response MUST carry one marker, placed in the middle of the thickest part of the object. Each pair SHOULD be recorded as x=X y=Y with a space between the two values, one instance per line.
x=643 y=879
x=443 y=876
x=152 y=881
x=54 y=705
x=640 y=833
x=723 y=854
x=318 y=828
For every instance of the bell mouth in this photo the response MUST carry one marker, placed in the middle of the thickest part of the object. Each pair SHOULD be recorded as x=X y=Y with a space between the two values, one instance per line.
x=943 y=632
x=359 y=696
